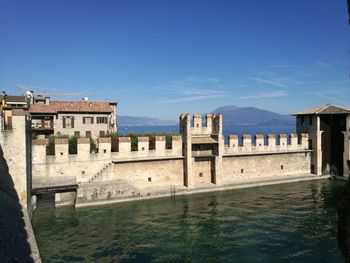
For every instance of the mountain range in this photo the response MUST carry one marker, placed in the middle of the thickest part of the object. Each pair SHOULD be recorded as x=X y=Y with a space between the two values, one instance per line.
x=143 y=121
x=232 y=115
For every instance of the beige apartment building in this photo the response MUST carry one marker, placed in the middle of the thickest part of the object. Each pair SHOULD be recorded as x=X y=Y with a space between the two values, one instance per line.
x=81 y=118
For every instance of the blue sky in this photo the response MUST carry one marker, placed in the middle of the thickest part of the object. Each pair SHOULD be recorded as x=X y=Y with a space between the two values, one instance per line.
x=161 y=58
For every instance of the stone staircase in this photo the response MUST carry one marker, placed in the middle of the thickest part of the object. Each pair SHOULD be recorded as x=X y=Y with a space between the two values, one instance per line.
x=98 y=176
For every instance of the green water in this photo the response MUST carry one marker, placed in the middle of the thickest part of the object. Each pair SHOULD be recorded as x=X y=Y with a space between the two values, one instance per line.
x=293 y=222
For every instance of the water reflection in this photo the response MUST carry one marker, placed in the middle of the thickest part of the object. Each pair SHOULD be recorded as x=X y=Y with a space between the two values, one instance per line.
x=289 y=223
x=344 y=223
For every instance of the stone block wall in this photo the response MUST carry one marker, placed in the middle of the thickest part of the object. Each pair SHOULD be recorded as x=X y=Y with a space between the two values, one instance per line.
x=15 y=165
x=65 y=168
x=243 y=167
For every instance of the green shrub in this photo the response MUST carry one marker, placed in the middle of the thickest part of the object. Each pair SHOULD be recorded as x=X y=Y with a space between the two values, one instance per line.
x=151 y=136
x=133 y=141
x=93 y=147
x=73 y=145
x=50 y=147
x=114 y=141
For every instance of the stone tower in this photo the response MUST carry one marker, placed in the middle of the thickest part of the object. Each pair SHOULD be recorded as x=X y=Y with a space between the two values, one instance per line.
x=203 y=147
x=329 y=132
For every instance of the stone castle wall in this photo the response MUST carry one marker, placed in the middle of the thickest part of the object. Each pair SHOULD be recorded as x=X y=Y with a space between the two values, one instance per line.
x=15 y=150
x=84 y=165
x=16 y=202
x=107 y=175
x=258 y=159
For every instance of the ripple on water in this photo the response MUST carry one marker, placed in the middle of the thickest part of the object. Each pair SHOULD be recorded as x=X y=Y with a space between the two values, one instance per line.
x=290 y=223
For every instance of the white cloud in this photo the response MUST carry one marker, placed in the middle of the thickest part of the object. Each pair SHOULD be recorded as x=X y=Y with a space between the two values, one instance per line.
x=273 y=94
x=323 y=64
x=191 y=89
x=274 y=82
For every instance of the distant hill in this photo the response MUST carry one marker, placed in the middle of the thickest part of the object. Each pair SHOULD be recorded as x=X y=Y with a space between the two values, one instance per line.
x=233 y=115
x=142 y=121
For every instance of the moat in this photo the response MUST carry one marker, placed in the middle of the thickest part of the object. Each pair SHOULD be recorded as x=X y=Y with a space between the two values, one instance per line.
x=293 y=222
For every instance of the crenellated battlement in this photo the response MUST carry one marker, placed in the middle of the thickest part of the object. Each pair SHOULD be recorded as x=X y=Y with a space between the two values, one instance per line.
x=92 y=166
x=104 y=149
x=194 y=125
x=282 y=142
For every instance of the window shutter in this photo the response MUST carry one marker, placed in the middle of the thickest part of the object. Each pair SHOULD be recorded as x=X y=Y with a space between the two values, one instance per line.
x=72 y=122
x=92 y=120
x=106 y=120
x=97 y=120
x=83 y=120
x=64 y=122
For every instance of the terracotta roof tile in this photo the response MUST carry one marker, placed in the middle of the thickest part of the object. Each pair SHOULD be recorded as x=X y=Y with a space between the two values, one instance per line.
x=71 y=106
x=325 y=109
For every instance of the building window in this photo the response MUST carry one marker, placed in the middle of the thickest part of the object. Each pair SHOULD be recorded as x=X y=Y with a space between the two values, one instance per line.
x=68 y=122
x=101 y=120
x=302 y=120
x=88 y=120
x=102 y=133
x=242 y=171
x=76 y=133
x=310 y=120
x=88 y=134
x=281 y=167
x=149 y=179
x=200 y=174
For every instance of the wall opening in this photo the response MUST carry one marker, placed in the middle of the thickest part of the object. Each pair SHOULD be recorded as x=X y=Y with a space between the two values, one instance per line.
x=46 y=200
x=212 y=171
x=312 y=169
x=332 y=143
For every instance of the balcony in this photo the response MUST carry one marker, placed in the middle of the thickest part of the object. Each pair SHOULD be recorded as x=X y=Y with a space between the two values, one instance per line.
x=42 y=125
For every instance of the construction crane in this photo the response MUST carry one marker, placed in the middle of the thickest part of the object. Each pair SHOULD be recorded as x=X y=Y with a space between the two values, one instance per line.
x=24 y=91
